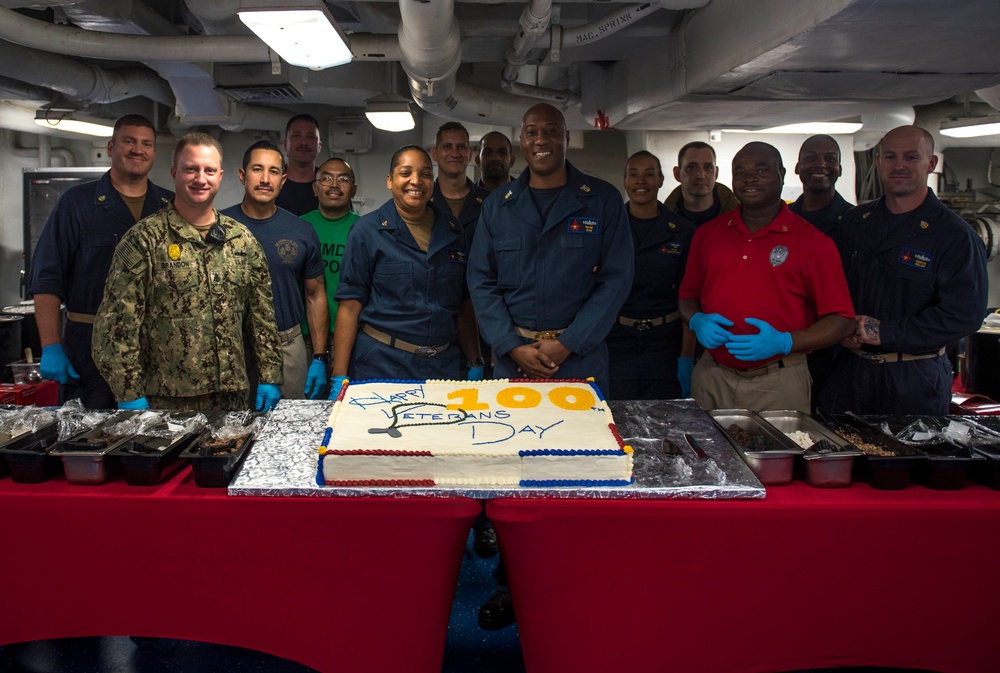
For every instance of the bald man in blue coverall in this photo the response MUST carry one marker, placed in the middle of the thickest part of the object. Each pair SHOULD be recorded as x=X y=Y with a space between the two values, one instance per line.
x=551 y=262
x=550 y=266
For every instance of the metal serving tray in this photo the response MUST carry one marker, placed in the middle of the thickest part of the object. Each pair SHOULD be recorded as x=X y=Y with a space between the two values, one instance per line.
x=773 y=467
x=827 y=469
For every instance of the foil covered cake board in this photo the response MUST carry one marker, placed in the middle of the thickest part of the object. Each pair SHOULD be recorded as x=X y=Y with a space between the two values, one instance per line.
x=283 y=460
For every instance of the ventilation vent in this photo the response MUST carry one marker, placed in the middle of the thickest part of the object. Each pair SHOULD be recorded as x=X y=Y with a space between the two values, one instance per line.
x=255 y=83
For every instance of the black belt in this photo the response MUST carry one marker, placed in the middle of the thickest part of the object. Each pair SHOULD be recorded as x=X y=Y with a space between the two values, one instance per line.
x=643 y=324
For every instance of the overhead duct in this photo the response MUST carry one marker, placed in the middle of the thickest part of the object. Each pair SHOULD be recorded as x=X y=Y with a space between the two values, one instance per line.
x=991 y=95
x=80 y=81
x=28 y=32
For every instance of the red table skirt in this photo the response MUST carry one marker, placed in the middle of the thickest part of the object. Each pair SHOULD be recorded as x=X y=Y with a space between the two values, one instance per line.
x=327 y=582
x=805 y=578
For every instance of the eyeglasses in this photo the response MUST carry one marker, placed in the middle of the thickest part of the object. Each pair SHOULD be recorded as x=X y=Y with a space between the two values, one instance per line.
x=327 y=180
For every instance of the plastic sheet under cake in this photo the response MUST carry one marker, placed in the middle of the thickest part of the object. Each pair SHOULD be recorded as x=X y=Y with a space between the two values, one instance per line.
x=283 y=460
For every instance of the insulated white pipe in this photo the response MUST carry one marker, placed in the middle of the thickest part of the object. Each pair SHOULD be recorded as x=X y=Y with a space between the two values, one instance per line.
x=534 y=22
x=80 y=81
x=431 y=49
x=578 y=36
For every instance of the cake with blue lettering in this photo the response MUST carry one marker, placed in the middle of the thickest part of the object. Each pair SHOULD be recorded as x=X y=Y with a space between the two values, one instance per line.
x=501 y=433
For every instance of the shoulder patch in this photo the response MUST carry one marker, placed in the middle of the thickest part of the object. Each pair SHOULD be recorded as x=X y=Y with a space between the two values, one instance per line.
x=127 y=255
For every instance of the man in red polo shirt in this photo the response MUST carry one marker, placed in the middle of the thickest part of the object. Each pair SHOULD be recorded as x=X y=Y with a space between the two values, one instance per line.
x=762 y=288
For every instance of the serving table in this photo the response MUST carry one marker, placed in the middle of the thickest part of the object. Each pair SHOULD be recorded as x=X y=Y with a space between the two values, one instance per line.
x=805 y=578
x=345 y=584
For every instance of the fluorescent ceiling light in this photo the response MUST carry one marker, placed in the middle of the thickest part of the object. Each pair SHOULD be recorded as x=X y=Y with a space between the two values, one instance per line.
x=304 y=37
x=74 y=122
x=808 y=128
x=971 y=127
x=390 y=112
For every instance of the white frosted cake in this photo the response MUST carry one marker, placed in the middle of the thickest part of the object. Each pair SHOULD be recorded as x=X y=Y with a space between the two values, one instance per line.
x=502 y=432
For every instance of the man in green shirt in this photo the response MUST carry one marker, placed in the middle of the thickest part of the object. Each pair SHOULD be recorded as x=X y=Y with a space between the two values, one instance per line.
x=334 y=187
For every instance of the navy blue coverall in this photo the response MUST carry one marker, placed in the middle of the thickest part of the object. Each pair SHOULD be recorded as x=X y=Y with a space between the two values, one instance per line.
x=407 y=293
x=71 y=261
x=571 y=272
x=923 y=275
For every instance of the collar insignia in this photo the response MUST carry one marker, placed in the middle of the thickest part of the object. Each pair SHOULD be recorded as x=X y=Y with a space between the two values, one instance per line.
x=102 y=198
x=924 y=224
x=865 y=216
x=584 y=188
x=508 y=194
x=672 y=225
x=385 y=223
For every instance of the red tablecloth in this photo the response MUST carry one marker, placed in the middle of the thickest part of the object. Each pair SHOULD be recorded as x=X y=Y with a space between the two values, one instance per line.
x=805 y=578
x=339 y=584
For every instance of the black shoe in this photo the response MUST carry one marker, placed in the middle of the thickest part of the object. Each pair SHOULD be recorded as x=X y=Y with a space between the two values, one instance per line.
x=498 y=612
x=484 y=542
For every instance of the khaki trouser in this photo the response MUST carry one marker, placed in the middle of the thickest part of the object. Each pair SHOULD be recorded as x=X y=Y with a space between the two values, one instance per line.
x=294 y=365
x=784 y=386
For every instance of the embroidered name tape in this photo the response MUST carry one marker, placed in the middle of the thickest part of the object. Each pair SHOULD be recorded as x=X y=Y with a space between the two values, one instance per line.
x=583 y=225
x=915 y=258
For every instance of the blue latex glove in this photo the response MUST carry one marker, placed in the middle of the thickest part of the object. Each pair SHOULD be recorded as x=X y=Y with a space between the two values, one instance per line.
x=765 y=344
x=268 y=395
x=685 y=367
x=315 y=379
x=710 y=328
x=55 y=366
x=336 y=383
x=140 y=403
x=475 y=373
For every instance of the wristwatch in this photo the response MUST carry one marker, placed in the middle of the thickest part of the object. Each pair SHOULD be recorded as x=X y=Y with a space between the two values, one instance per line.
x=322 y=357
x=478 y=362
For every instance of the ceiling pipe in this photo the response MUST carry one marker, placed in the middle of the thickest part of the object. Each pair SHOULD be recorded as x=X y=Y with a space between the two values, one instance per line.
x=431 y=49
x=80 y=81
x=535 y=19
x=37 y=34
x=577 y=36
x=15 y=89
x=29 y=32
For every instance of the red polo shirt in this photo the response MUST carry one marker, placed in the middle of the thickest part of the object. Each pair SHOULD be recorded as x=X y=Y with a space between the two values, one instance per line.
x=788 y=274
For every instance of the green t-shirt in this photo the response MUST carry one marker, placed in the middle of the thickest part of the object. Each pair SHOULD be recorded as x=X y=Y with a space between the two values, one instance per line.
x=332 y=239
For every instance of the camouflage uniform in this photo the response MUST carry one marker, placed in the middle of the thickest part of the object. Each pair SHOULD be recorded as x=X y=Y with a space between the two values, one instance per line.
x=171 y=323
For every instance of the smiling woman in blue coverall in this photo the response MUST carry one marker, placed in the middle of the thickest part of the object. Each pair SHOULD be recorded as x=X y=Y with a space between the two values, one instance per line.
x=403 y=307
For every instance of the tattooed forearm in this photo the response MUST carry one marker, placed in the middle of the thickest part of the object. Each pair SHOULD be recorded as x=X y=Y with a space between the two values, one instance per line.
x=871 y=327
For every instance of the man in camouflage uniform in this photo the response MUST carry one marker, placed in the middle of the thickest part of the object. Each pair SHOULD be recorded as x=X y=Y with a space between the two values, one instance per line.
x=169 y=333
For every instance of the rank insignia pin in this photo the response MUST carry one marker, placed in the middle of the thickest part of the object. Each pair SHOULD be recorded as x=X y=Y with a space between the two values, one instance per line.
x=865 y=216
x=584 y=188
x=174 y=252
x=673 y=226
x=784 y=228
x=924 y=224
x=102 y=198
x=385 y=223
x=508 y=194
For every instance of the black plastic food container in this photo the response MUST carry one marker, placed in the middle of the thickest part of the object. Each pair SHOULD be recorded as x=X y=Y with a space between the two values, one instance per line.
x=28 y=458
x=888 y=473
x=144 y=458
x=989 y=472
x=948 y=466
x=216 y=471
